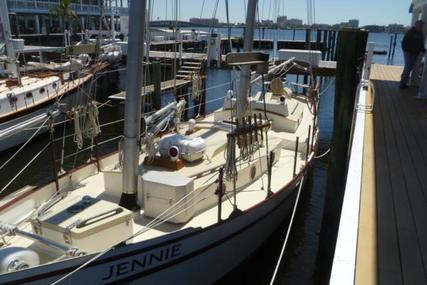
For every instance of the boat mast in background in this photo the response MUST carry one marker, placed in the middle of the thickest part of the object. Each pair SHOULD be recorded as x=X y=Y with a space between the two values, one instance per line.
x=245 y=74
x=133 y=104
x=4 y=21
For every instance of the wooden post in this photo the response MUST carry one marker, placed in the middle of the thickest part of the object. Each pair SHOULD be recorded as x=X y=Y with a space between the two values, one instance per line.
x=334 y=45
x=389 y=49
x=157 y=99
x=202 y=100
x=329 y=45
x=308 y=39
x=318 y=39
x=394 y=46
x=324 y=44
x=351 y=46
x=308 y=46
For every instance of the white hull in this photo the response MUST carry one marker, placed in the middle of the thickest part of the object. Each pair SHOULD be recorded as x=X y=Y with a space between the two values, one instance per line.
x=67 y=102
x=24 y=135
x=192 y=256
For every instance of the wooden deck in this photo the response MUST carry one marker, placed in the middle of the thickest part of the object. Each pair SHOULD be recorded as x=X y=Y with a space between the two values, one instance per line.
x=164 y=86
x=392 y=244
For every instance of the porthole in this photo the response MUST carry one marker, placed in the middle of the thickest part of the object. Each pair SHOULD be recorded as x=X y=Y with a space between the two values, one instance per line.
x=29 y=95
x=42 y=90
x=54 y=85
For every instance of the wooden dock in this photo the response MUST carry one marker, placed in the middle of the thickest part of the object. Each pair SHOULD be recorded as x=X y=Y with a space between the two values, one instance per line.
x=382 y=237
x=164 y=86
x=392 y=242
x=383 y=231
x=175 y=55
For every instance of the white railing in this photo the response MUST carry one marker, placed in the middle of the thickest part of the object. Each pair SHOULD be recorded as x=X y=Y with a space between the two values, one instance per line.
x=344 y=263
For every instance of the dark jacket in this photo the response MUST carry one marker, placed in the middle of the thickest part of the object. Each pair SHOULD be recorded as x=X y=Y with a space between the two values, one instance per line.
x=413 y=42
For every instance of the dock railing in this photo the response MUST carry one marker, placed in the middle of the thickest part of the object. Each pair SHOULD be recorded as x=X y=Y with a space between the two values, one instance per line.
x=344 y=262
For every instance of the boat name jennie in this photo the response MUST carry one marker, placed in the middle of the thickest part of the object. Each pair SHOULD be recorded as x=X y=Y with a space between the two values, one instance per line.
x=144 y=261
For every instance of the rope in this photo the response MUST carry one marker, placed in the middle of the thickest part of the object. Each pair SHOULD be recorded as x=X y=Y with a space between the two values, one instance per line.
x=230 y=157
x=78 y=135
x=323 y=154
x=279 y=261
x=91 y=124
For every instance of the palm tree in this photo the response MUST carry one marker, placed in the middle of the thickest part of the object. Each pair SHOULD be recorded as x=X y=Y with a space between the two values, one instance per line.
x=64 y=11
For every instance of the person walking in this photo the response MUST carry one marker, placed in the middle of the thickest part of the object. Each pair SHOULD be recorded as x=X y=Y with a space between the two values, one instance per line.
x=412 y=46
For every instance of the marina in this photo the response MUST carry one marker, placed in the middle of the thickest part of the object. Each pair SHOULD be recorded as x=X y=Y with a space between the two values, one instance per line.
x=280 y=155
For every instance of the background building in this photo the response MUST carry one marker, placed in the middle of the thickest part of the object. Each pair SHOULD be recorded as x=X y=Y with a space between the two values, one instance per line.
x=281 y=21
x=295 y=22
x=35 y=17
x=205 y=21
x=353 y=23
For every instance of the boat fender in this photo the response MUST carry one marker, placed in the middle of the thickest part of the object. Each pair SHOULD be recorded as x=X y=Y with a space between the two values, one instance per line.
x=17 y=258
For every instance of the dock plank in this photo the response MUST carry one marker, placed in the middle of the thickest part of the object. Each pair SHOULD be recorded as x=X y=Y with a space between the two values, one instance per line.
x=164 y=86
x=400 y=136
x=406 y=189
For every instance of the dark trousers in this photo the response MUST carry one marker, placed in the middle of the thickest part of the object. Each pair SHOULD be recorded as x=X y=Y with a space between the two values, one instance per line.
x=410 y=61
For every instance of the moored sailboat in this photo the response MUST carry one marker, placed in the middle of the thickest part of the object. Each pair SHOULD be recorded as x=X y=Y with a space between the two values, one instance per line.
x=201 y=197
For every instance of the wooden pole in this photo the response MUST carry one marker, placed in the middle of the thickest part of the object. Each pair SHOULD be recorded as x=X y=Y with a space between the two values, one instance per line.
x=329 y=45
x=318 y=39
x=389 y=49
x=324 y=44
x=394 y=46
x=157 y=99
x=334 y=45
x=351 y=46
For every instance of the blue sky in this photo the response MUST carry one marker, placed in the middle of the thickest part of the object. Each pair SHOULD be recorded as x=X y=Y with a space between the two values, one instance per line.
x=379 y=12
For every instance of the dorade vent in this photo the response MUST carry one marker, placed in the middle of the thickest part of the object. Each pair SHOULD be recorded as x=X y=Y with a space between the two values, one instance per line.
x=29 y=95
x=42 y=90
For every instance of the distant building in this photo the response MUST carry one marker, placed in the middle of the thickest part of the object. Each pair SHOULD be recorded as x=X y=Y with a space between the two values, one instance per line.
x=353 y=23
x=294 y=22
x=205 y=21
x=282 y=20
x=267 y=22
x=35 y=17
x=395 y=28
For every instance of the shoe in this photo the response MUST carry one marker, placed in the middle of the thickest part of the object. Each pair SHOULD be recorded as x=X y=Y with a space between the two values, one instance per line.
x=403 y=87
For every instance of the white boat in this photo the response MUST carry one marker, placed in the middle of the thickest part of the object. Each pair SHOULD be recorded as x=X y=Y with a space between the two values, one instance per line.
x=193 y=205
x=25 y=99
x=36 y=95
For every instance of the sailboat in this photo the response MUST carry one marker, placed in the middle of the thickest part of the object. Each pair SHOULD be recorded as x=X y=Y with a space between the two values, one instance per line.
x=26 y=102
x=198 y=200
